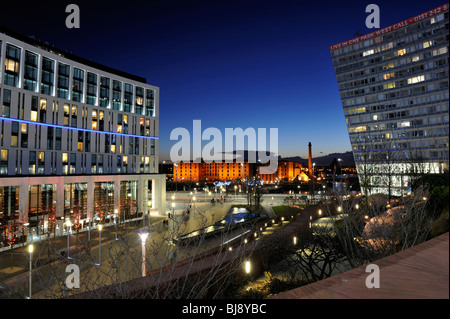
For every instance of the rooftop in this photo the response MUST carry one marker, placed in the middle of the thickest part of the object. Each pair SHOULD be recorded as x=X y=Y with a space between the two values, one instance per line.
x=70 y=56
x=390 y=28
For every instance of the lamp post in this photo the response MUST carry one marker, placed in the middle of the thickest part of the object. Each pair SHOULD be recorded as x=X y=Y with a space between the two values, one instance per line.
x=100 y=227
x=116 y=211
x=30 y=250
x=314 y=195
x=143 y=234
x=69 y=225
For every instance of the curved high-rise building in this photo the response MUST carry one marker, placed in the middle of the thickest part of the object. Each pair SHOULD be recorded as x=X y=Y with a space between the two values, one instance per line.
x=394 y=88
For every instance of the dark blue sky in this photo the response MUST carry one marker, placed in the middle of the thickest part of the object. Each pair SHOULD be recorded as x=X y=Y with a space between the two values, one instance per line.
x=244 y=63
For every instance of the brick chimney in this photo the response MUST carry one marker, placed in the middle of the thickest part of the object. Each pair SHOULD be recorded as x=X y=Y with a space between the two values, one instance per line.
x=310 y=167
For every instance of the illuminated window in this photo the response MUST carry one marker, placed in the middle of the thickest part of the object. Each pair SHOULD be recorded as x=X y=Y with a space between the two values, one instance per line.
x=34 y=115
x=66 y=114
x=125 y=159
x=388 y=46
x=401 y=52
x=405 y=124
x=368 y=52
x=80 y=146
x=357 y=129
x=427 y=44
x=24 y=128
x=415 y=58
x=65 y=158
x=416 y=79
x=389 y=85
x=388 y=66
x=11 y=66
x=387 y=76
x=94 y=119
x=440 y=51
x=4 y=155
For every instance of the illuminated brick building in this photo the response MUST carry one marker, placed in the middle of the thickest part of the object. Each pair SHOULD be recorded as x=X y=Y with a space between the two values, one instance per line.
x=286 y=172
x=196 y=172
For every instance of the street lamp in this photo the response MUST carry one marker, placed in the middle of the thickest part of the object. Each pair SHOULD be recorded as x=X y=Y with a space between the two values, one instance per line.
x=247 y=267
x=69 y=225
x=143 y=234
x=30 y=250
x=100 y=227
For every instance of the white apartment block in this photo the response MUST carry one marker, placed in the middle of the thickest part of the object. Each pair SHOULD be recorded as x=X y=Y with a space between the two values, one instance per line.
x=78 y=140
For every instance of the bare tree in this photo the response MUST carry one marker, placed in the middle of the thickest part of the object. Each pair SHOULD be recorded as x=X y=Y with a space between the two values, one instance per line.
x=200 y=266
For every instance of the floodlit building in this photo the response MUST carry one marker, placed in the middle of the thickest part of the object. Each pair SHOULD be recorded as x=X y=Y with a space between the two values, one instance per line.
x=78 y=140
x=210 y=172
x=394 y=89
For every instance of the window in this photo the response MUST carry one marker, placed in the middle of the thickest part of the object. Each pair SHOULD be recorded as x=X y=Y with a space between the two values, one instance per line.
x=31 y=70
x=127 y=97
x=66 y=114
x=401 y=52
x=416 y=79
x=43 y=110
x=427 y=44
x=77 y=85
x=104 y=92
x=368 y=52
x=3 y=162
x=24 y=135
x=117 y=95
x=389 y=85
x=12 y=65
x=14 y=134
x=32 y=163
x=6 y=107
x=47 y=77
x=149 y=109
x=74 y=116
x=91 y=94
x=440 y=51
x=387 y=76
x=94 y=119
x=58 y=137
x=139 y=100
x=63 y=81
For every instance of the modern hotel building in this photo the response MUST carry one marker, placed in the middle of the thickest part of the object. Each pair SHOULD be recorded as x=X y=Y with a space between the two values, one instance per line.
x=78 y=140
x=394 y=89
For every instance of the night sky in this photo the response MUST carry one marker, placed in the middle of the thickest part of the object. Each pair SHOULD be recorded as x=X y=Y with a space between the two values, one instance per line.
x=231 y=64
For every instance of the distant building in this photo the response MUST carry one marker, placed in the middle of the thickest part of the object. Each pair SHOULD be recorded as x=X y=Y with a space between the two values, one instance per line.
x=394 y=88
x=286 y=172
x=210 y=172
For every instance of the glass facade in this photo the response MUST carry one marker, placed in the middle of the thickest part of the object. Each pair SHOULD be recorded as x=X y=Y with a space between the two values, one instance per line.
x=64 y=129
x=394 y=90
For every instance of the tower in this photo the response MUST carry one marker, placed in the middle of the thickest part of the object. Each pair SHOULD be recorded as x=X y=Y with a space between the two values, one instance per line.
x=310 y=168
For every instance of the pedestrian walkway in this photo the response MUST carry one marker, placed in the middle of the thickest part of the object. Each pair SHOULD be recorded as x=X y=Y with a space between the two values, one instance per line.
x=16 y=261
x=420 y=272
